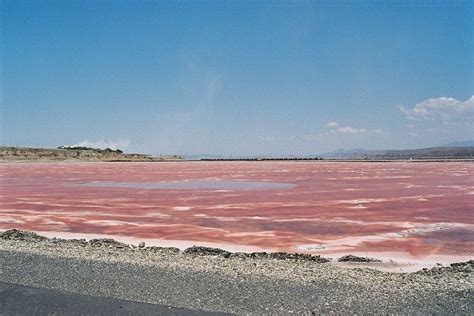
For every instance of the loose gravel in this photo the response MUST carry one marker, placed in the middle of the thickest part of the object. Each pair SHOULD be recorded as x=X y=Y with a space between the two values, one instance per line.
x=211 y=279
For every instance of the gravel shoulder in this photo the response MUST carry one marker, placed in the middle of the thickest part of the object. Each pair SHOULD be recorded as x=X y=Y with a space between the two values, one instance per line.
x=218 y=281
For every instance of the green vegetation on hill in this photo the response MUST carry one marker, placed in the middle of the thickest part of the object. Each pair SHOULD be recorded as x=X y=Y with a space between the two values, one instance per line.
x=106 y=150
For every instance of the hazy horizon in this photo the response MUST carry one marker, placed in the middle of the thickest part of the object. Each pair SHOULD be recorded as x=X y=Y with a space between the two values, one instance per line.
x=237 y=79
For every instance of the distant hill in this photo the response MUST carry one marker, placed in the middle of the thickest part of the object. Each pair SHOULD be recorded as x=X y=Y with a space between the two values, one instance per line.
x=24 y=154
x=467 y=143
x=423 y=153
x=344 y=153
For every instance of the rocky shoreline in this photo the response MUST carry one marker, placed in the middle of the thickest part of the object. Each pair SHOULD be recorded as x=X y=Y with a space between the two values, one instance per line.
x=108 y=243
x=211 y=279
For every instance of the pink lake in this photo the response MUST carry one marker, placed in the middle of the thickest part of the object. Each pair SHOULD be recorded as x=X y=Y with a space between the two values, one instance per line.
x=414 y=210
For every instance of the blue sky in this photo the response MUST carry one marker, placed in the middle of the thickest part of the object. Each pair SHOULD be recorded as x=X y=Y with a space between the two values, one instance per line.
x=237 y=78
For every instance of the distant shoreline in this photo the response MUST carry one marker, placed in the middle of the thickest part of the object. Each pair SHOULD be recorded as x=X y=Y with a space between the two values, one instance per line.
x=64 y=154
x=344 y=160
x=158 y=160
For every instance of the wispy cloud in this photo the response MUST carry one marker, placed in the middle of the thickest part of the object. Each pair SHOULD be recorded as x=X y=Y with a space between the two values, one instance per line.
x=444 y=109
x=104 y=143
x=335 y=128
x=176 y=129
x=351 y=130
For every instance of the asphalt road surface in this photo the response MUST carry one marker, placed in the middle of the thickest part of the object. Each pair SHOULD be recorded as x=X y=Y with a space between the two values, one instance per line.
x=26 y=300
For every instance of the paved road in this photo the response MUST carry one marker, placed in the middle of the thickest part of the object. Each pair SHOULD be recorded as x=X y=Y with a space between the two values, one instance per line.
x=25 y=300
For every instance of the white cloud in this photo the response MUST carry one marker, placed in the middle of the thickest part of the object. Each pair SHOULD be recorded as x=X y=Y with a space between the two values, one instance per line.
x=444 y=109
x=104 y=143
x=332 y=125
x=335 y=128
x=351 y=130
